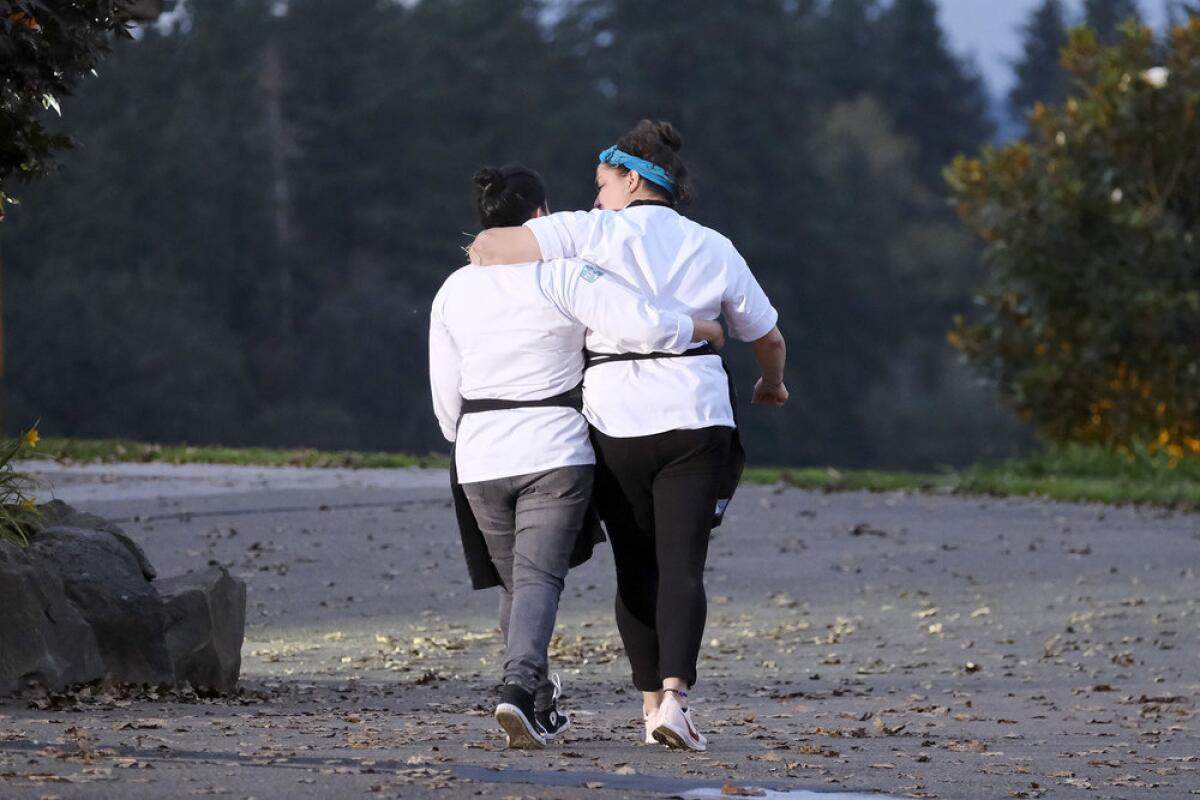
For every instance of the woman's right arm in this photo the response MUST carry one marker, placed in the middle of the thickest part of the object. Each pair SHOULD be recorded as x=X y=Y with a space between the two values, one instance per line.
x=504 y=246
x=753 y=319
x=564 y=234
x=771 y=353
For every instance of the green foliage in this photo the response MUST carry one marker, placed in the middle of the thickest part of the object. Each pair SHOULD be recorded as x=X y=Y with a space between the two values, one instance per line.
x=1091 y=320
x=1105 y=18
x=1074 y=473
x=1091 y=474
x=19 y=517
x=46 y=49
x=933 y=96
x=113 y=451
x=1039 y=72
x=244 y=246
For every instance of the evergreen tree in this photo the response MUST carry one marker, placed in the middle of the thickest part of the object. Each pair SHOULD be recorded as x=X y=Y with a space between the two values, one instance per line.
x=244 y=248
x=1106 y=16
x=936 y=100
x=841 y=49
x=1040 y=76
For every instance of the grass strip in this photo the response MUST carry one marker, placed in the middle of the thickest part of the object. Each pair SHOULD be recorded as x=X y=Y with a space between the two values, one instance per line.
x=1070 y=474
x=112 y=451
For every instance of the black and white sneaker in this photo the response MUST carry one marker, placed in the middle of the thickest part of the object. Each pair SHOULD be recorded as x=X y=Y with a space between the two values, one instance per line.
x=550 y=720
x=516 y=717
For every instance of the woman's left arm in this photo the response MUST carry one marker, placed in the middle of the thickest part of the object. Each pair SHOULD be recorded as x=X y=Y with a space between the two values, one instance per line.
x=445 y=375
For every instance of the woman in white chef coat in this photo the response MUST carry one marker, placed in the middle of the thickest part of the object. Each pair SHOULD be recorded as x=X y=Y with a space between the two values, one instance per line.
x=663 y=426
x=506 y=365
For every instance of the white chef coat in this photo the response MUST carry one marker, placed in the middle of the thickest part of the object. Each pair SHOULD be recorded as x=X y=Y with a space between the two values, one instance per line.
x=516 y=332
x=681 y=266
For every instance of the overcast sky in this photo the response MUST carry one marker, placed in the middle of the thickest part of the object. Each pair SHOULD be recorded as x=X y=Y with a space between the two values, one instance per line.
x=988 y=29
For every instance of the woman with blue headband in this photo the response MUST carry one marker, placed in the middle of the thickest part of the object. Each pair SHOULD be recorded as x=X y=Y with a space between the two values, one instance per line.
x=663 y=425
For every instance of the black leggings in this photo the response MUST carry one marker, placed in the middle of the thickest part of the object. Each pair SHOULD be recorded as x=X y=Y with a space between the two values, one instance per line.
x=657 y=495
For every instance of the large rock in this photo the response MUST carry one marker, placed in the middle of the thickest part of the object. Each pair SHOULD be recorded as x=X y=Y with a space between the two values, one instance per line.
x=43 y=638
x=57 y=514
x=205 y=620
x=106 y=583
x=78 y=603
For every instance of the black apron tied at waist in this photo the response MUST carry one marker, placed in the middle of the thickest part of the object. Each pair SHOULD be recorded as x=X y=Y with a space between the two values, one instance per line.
x=572 y=398
x=732 y=475
x=593 y=359
x=479 y=561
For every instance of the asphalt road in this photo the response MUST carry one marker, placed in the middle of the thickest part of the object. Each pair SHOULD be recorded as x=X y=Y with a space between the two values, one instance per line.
x=916 y=645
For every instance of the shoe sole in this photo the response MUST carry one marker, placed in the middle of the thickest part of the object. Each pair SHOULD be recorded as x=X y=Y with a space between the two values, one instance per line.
x=520 y=733
x=672 y=739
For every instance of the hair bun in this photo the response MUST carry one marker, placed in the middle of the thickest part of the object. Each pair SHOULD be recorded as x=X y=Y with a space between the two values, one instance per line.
x=489 y=181
x=667 y=133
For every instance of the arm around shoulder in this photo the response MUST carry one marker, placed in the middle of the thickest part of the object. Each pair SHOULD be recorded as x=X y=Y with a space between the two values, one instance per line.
x=494 y=246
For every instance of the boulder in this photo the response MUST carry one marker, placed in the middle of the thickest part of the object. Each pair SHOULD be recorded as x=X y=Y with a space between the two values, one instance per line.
x=43 y=638
x=78 y=604
x=205 y=617
x=106 y=583
x=57 y=514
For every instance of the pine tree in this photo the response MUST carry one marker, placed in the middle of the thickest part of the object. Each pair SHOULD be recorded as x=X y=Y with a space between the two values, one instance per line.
x=935 y=99
x=245 y=244
x=842 y=49
x=1106 y=16
x=1040 y=76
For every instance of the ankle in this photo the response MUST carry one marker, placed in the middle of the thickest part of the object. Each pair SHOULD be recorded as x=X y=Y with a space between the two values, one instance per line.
x=680 y=695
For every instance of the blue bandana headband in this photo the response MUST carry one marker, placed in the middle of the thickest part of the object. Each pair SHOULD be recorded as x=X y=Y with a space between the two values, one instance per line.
x=651 y=172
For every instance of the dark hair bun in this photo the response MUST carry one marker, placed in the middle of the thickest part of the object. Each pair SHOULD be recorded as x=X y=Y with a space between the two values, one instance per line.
x=489 y=181
x=508 y=196
x=665 y=132
x=658 y=142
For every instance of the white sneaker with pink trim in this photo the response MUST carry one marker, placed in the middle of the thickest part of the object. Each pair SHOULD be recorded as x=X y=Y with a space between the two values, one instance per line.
x=675 y=728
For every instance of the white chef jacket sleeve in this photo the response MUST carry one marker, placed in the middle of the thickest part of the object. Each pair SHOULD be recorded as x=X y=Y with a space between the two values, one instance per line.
x=585 y=293
x=748 y=313
x=444 y=371
x=568 y=234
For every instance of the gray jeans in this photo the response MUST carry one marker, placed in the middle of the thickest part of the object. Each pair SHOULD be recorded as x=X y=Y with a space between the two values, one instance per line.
x=531 y=523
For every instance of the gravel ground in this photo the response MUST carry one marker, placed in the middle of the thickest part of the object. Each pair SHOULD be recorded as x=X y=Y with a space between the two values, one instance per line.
x=915 y=645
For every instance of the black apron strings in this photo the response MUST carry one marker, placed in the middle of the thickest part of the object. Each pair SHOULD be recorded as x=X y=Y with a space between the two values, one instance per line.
x=572 y=398
x=594 y=359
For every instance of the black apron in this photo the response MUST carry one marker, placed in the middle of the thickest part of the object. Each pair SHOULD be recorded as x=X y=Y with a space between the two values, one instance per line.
x=737 y=453
x=479 y=561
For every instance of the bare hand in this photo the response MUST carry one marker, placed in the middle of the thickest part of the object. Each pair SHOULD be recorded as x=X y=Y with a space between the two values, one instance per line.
x=768 y=394
x=708 y=330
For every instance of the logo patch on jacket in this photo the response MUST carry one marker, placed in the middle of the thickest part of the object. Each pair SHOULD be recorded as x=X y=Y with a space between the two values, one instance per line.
x=591 y=273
